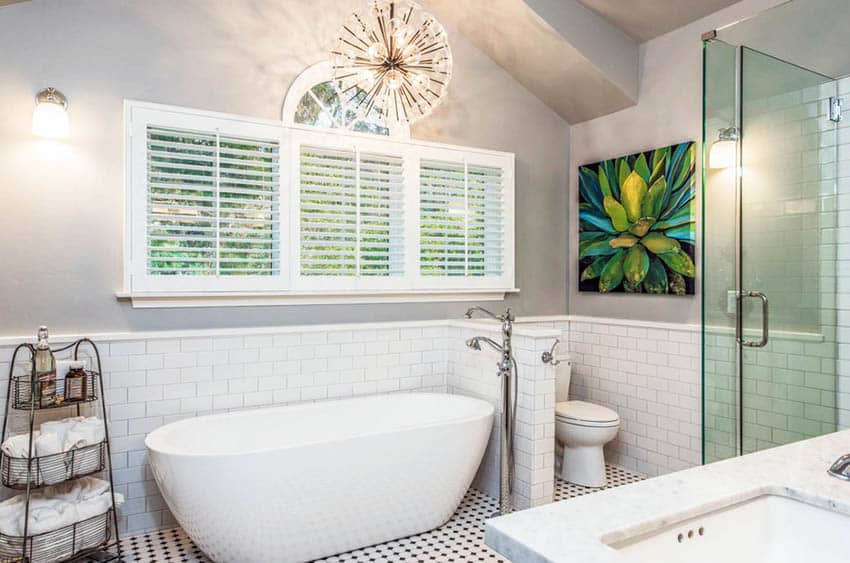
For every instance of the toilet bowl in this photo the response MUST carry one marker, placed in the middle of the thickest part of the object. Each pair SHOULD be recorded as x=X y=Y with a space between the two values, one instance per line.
x=582 y=429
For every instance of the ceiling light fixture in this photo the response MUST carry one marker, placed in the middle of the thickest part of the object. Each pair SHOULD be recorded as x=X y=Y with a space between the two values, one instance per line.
x=393 y=58
x=50 y=117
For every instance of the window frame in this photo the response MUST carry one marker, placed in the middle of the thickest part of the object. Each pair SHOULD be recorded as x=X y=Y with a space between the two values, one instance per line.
x=479 y=157
x=290 y=287
x=140 y=117
x=311 y=77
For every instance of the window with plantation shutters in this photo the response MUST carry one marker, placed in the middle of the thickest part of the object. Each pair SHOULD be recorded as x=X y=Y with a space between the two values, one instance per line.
x=351 y=213
x=213 y=205
x=461 y=213
x=224 y=209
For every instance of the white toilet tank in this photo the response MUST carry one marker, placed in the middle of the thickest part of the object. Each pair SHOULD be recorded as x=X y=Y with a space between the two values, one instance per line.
x=563 y=373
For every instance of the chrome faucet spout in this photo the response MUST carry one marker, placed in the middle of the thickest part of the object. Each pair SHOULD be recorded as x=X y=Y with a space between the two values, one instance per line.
x=841 y=468
x=507 y=316
x=471 y=312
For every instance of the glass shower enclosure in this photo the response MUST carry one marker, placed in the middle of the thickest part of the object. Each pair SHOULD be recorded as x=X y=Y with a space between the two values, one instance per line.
x=776 y=234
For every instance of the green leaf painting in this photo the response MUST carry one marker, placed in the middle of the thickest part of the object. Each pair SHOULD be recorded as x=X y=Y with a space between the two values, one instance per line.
x=637 y=222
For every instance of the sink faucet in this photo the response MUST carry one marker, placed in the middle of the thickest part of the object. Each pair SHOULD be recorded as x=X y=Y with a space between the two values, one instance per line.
x=841 y=468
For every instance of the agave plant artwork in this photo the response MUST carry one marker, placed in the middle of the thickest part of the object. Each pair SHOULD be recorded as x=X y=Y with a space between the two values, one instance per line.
x=636 y=223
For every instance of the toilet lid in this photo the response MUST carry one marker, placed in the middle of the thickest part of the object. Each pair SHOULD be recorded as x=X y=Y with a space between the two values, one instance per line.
x=585 y=412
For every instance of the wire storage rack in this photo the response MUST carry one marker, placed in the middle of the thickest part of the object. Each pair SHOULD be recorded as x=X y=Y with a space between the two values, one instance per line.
x=94 y=538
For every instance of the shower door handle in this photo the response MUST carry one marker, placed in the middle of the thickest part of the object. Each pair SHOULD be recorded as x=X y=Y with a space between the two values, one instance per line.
x=765 y=320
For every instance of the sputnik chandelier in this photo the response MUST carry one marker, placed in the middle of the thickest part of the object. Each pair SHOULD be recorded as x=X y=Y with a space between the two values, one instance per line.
x=392 y=58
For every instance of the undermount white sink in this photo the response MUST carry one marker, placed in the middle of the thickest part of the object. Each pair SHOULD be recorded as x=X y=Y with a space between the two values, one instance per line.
x=767 y=528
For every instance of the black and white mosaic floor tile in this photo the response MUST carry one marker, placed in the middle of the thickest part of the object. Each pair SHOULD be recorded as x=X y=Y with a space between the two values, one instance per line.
x=616 y=476
x=461 y=539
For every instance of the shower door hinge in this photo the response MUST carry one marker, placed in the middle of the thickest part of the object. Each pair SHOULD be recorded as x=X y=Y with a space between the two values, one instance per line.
x=835 y=105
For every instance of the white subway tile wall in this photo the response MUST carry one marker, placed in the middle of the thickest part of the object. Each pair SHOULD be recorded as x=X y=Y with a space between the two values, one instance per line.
x=473 y=373
x=650 y=375
x=159 y=379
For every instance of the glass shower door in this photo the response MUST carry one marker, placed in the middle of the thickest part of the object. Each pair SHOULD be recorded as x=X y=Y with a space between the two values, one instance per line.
x=769 y=253
x=787 y=253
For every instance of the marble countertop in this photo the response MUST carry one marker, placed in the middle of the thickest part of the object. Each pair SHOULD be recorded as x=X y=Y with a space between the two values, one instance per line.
x=578 y=530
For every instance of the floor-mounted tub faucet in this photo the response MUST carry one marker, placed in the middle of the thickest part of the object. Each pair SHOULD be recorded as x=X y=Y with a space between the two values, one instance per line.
x=507 y=372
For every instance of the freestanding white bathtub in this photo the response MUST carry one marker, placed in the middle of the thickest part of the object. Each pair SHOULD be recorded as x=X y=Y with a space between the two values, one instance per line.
x=301 y=482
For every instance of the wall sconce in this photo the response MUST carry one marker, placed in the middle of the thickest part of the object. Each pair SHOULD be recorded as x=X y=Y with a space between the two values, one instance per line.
x=50 y=117
x=724 y=151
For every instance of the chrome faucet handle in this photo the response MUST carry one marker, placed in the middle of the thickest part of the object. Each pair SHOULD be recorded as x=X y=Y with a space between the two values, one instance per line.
x=549 y=357
x=841 y=468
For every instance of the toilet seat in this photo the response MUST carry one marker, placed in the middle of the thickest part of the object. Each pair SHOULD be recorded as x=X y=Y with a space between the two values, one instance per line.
x=581 y=413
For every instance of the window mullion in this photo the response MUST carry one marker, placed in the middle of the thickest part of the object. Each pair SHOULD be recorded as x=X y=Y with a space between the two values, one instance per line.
x=323 y=107
x=217 y=202
x=357 y=270
x=466 y=217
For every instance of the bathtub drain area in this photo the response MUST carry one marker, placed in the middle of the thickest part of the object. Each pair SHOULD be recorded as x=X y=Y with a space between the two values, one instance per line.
x=461 y=539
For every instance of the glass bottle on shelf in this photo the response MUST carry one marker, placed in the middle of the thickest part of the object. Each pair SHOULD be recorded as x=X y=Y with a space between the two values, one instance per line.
x=45 y=370
x=76 y=382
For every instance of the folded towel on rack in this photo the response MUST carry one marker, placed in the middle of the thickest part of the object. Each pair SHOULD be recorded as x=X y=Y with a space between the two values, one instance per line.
x=57 y=436
x=80 y=490
x=47 y=444
x=57 y=506
x=86 y=432
x=92 y=507
x=49 y=517
x=18 y=446
x=60 y=427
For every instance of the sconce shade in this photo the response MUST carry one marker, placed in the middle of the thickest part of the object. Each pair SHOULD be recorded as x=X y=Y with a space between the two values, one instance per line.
x=50 y=117
x=724 y=151
x=722 y=154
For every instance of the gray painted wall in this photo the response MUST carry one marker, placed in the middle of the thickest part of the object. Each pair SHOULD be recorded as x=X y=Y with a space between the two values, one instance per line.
x=61 y=204
x=669 y=110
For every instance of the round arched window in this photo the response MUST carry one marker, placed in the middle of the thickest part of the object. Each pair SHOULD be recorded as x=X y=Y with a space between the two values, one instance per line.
x=315 y=99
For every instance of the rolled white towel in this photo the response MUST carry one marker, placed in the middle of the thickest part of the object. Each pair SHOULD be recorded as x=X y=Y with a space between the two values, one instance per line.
x=48 y=443
x=94 y=506
x=60 y=427
x=91 y=487
x=78 y=490
x=18 y=446
x=57 y=506
x=10 y=511
x=46 y=517
x=86 y=432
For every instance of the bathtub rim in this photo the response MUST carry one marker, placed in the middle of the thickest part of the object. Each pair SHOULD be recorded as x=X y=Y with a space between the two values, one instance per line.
x=151 y=437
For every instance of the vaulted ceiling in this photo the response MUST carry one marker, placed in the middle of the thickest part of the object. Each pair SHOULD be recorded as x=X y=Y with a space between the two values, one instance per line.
x=580 y=57
x=645 y=19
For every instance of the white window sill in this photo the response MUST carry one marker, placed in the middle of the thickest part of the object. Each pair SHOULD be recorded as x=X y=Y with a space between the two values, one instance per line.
x=159 y=300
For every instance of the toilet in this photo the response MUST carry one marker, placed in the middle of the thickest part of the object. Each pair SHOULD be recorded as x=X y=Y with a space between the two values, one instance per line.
x=582 y=429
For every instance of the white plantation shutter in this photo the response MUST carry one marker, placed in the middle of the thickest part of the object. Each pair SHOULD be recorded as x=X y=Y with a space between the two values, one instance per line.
x=461 y=214
x=181 y=193
x=351 y=213
x=381 y=215
x=213 y=216
x=213 y=206
x=485 y=225
x=249 y=209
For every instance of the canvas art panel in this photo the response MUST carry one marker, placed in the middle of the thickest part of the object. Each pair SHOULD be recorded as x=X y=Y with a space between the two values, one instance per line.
x=637 y=225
